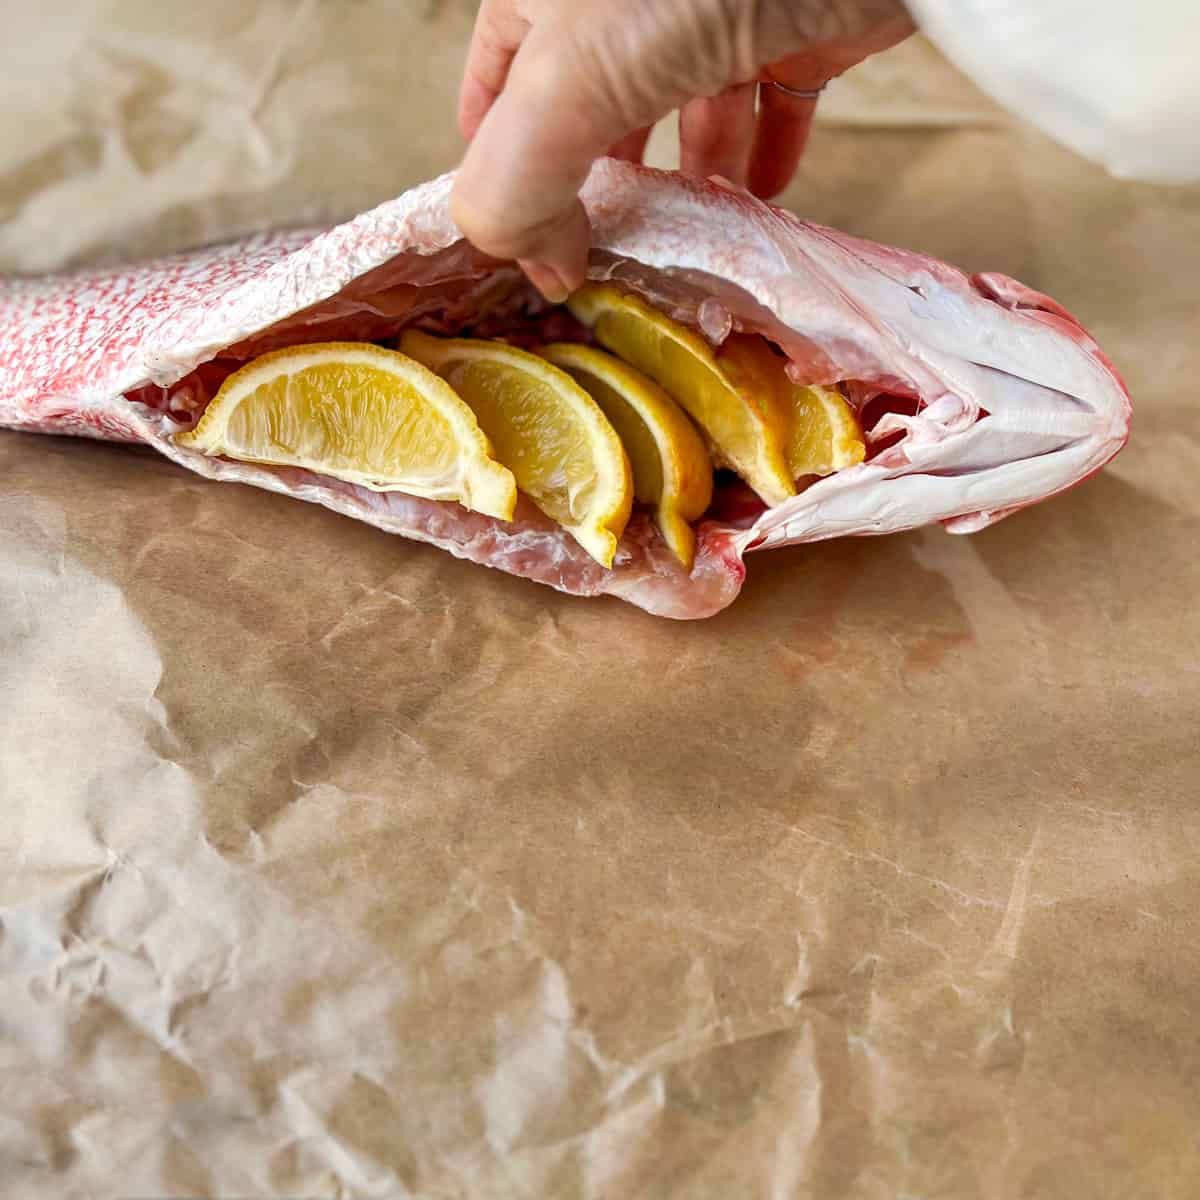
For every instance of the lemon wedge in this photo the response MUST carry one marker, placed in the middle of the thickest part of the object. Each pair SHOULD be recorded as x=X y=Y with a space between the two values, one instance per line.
x=357 y=412
x=671 y=469
x=818 y=428
x=743 y=435
x=825 y=435
x=546 y=429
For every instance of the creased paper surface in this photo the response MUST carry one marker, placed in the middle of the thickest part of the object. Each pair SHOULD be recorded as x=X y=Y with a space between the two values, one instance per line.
x=333 y=867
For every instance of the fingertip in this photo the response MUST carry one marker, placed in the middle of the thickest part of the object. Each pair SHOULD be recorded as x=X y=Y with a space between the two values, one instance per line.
x=784 y=126
x=547 y=281
x=768 y=180
x=553 y=252
x=715 y=134
x=557 y=260
x=632 y=147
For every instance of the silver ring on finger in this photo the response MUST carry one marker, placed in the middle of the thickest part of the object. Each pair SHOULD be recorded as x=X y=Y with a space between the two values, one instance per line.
x=798 y=93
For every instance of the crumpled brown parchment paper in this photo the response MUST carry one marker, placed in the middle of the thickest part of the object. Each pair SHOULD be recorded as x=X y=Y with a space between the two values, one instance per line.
x=333 y=867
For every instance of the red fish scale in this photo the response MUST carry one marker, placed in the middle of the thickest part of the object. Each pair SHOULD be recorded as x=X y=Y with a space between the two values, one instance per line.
x=76 y=335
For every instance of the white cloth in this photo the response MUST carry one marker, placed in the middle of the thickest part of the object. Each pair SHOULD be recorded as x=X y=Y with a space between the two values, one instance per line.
x=1116 y=80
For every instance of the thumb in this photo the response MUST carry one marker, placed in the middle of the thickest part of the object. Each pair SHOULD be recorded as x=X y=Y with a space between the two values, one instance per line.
x=577 y=85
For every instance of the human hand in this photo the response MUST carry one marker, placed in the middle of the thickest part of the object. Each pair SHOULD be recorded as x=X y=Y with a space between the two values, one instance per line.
x=551 y=85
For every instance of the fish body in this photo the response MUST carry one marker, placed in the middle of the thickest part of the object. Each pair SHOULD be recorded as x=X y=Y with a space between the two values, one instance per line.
x=988 y=396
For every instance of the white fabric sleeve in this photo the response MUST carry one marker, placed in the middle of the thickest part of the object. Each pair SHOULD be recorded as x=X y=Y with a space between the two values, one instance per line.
x=1116 y=80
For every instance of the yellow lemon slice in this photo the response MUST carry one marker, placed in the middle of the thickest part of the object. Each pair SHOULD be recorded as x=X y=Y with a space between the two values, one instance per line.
x=360 y=413
x=671 y=468
x=826 y=435
x=819 y=430
x=546 y=429
x=741 y=432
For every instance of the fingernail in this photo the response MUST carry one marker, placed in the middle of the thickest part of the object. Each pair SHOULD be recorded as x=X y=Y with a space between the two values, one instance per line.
x=547 y=281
